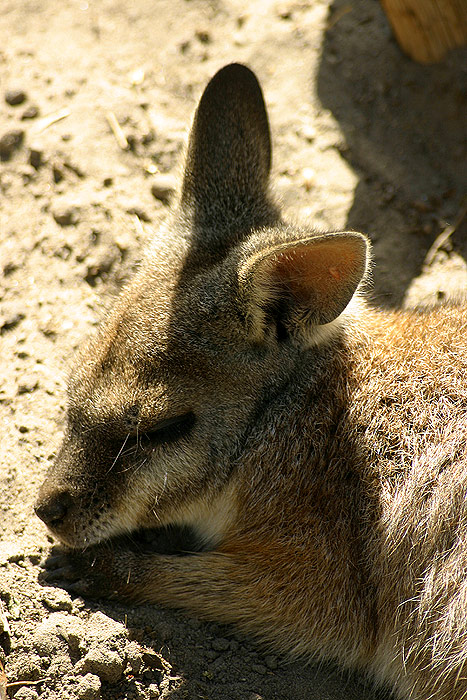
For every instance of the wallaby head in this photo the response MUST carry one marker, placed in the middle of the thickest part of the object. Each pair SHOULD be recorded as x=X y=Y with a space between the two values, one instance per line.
x=227 y=300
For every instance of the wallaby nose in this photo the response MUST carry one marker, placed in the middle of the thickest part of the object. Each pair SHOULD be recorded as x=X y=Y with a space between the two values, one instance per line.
x=53 y=508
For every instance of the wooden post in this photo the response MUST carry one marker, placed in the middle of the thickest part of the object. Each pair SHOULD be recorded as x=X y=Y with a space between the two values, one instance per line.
x=427 y=29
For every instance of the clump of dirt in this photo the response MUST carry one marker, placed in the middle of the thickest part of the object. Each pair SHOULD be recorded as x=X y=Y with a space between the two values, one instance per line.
x=95 y=100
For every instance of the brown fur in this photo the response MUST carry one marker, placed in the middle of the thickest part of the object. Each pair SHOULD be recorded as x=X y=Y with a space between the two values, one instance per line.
x=321 y=463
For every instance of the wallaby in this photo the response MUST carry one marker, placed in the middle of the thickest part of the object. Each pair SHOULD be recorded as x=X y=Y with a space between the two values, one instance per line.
x=309 y=452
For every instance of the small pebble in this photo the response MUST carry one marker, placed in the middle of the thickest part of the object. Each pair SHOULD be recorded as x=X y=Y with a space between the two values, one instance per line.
x=163 y=187
x=285 y=12
x=30 y=112
x=57 y=173
x=36 y=157
x=57 y=599
x=98 y=267
x=9 y=142
x=59 y=665
x=217 y=667
x=9 y=268
x=134 y=657
x=164 y=631
x=154 y=691
x=137 y=76
x=29 y=383
x=10 y=322
x=103 y=662
x=47 y=639
x=89 y=687
x=203 y=36
x=66 y=215
x=15 y=97
x=103 y=629
x=220 y=644
x=26 y=693
x=24 y=667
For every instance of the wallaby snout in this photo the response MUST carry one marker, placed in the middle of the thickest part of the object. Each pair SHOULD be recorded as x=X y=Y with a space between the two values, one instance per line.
x=54 y=508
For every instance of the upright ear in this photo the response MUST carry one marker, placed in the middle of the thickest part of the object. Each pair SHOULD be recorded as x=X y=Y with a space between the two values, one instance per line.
x=229 y=150
x=302 y=285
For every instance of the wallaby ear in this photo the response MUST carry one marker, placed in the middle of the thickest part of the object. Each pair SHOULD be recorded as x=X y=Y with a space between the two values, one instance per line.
x=229 y=149
x=303 y=284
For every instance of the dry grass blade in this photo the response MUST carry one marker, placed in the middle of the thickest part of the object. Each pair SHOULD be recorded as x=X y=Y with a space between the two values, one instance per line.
x=139 y=226
x=446 y=234
x=3 y=683
x=50 y=119
x=117 y=131
x=17 y=684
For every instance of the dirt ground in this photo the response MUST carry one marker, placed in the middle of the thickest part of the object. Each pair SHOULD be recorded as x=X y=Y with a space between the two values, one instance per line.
x=364 y=139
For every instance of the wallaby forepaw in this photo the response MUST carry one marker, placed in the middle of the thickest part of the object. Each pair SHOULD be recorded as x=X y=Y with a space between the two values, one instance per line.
x=91 y=573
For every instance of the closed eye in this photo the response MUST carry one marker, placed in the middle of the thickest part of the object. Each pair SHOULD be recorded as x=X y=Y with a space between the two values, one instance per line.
x=167 y=431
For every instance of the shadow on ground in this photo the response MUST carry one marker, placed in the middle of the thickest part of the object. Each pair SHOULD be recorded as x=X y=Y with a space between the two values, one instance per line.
x=403 y=123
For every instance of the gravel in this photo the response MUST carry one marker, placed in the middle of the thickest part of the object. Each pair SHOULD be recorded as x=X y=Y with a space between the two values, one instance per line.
x=25 y=693
x=163 y=187
x=89 y=687
x=57 y=599
x=66 y=214
x=10 y=142
x=15 y=97
x=103 y=662
x=36 y=157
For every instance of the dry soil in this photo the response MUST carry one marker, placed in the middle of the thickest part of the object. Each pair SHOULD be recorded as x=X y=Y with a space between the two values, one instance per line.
x=363 y=138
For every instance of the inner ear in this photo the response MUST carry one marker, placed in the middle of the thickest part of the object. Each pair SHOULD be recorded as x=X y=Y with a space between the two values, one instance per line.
x=304 y=283
x=321 y=277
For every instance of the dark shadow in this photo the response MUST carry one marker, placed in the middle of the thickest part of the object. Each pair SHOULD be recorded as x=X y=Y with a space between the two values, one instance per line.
x=405 y=133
